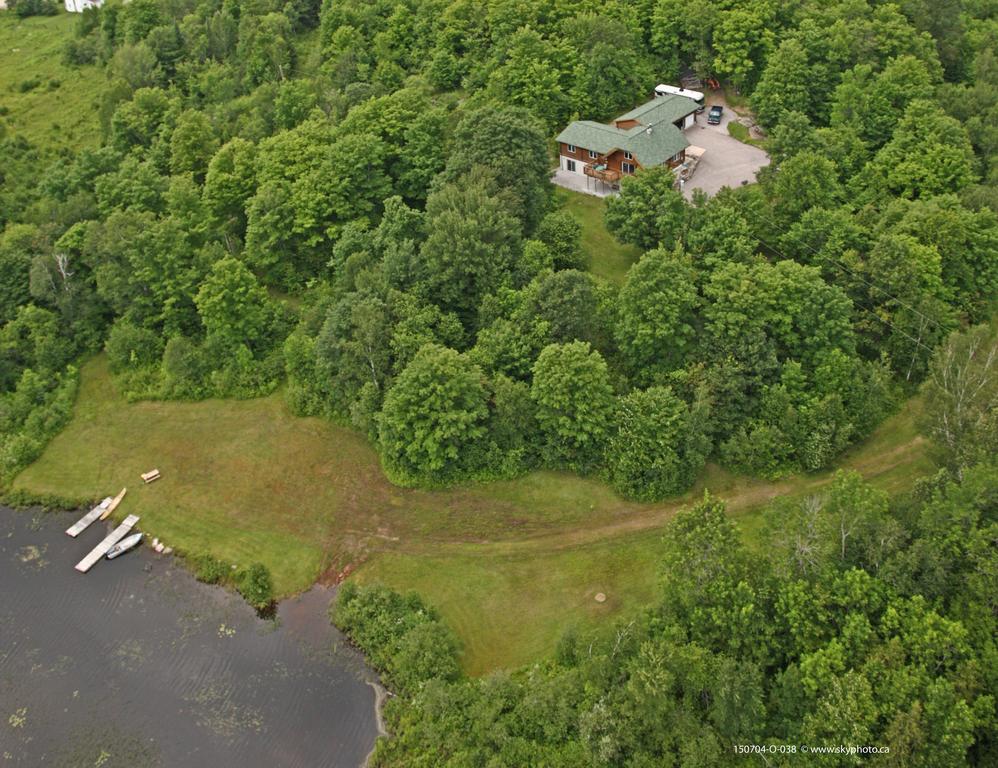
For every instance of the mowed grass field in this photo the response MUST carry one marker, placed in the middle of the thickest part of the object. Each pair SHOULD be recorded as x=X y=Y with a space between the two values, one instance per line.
x=45 y=101
x=606 y=257
x=509 y=565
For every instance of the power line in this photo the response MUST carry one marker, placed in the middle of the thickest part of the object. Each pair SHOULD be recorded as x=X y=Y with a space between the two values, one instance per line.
x=844 y=268
x=868 y=310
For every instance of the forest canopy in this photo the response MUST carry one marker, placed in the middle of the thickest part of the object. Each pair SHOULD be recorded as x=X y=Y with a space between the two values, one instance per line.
x=354 y=199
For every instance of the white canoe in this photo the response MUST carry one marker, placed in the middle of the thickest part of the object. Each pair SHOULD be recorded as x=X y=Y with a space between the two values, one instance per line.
x=127 y=543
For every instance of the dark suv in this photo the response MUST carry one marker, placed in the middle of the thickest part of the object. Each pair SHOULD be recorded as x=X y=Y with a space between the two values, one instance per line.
x=714 y=116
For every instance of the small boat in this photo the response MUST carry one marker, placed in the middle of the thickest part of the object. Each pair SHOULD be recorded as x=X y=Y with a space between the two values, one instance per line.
x=113 y=505
x=127 y=543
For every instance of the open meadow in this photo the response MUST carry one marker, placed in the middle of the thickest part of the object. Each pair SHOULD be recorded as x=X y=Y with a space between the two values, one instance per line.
x=41 y=98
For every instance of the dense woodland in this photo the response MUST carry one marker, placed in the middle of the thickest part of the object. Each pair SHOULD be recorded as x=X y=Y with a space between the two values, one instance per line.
x=353 y=198
x=350 y=199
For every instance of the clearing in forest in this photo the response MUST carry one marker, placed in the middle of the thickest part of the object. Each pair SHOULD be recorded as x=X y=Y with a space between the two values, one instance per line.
x=509 y=564
x=51 y=104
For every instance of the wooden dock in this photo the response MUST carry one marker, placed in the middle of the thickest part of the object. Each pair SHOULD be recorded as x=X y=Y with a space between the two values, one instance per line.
x=84 y=522
x=109 y=541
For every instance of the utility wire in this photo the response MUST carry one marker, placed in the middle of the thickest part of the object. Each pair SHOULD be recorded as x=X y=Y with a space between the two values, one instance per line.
x=868 y=310
x=844 y=268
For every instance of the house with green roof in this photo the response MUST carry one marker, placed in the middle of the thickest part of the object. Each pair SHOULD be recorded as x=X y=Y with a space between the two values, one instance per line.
x=648 y=135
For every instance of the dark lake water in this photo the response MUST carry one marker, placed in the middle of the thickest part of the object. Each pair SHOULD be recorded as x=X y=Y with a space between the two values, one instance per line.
x=137 y=664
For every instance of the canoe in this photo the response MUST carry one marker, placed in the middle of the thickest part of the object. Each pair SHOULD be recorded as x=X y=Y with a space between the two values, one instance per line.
x=127 y=543
x=114 y=504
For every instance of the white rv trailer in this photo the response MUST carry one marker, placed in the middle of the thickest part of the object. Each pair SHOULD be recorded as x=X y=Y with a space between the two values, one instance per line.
x=675 y=90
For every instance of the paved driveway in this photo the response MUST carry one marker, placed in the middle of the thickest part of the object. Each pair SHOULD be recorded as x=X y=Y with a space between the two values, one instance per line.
x=726 y=162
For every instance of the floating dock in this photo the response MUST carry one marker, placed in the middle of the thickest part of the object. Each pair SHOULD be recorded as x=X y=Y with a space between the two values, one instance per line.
x=84 y=522
x=110 y=540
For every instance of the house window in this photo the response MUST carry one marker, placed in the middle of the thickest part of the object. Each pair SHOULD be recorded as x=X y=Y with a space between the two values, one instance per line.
x=627 y=167
x=592 y=155
x=570 y=165
x=571 y=148
x=628 y=156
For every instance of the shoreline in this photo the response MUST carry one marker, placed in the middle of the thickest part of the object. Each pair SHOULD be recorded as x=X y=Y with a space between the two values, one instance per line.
x=381 y=695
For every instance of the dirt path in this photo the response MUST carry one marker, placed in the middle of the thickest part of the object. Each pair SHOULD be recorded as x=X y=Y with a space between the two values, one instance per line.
x=870 y=464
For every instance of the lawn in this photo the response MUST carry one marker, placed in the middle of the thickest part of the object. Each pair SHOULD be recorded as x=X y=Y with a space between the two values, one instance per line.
x=510 y=565
x=49 y=103
x=510 y=609
x=605 y=256
x=741 y=132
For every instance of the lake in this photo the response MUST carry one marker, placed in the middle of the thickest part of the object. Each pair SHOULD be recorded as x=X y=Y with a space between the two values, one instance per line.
x=138 y=664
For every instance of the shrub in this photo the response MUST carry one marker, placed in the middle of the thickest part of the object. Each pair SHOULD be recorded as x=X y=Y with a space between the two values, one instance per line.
x=25 y=8
x=129 y=346
x=307 y=391
x=758 y=449
x=209 y=569
x=256 y=586
x=31 y=415
x=425 y=652
x=76 y=53
x=403 y=638
x=512 y=423
x=184 y=369
x=234 y=371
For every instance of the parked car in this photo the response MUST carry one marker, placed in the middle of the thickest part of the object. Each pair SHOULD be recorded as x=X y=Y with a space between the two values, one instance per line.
x=714 y=116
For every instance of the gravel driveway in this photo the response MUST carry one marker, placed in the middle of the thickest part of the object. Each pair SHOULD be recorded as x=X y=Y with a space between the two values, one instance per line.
x=726 y=162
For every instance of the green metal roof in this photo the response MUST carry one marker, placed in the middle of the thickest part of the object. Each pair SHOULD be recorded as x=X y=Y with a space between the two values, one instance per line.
x=661 y=109
x=656 y=144
x=652 y=142
x=595 y=136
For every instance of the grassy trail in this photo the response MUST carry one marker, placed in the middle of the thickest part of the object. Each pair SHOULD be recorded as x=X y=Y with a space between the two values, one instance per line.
x=742 y=495
x=510 y=564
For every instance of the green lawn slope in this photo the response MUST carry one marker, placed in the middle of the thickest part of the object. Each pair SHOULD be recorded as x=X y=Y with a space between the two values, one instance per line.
x=509 y=565
x=45 y=101
x=606 y=257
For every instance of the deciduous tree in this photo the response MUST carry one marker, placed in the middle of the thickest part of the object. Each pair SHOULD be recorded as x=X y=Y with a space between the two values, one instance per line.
x=657 y=323
x=433 y=418
x=658 y=446
x=233 y=306
x=574 y=403
x=961 y=410
x=649 y=211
